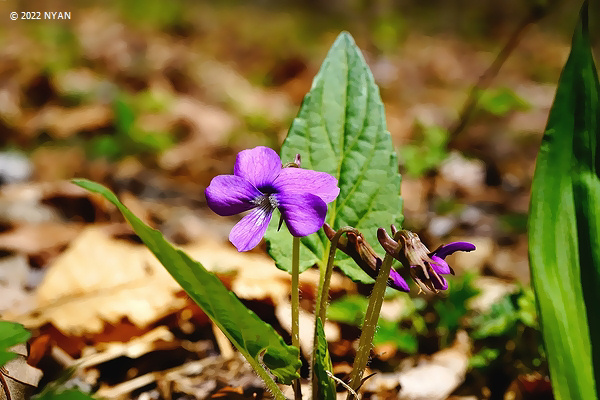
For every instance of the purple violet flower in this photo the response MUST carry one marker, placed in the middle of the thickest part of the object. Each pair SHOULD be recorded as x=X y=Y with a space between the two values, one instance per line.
x=426 y=267
x=259 y=183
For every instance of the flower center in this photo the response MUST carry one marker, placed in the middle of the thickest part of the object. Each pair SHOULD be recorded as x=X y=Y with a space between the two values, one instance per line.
x=266 y=202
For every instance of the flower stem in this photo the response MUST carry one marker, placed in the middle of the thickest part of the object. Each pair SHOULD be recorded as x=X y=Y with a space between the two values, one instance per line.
x=267 y=379
x=370 y=324
x=296 y=307
x=323 y=296
x=322 y=273
x=322 y=308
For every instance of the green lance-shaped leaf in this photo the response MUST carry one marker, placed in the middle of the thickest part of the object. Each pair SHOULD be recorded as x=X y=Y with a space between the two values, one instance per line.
x=564 y=227
x=586 y=191
x=11 y=334
x=340 y=129
x=326 y=385
x=247 y=332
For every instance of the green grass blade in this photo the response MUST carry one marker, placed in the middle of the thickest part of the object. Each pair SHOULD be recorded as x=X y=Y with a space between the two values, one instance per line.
x=564 y=240
x=586 y=188
x=326 y=385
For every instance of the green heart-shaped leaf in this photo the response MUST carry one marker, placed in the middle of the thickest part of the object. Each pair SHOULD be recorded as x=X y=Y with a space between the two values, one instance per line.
x=340 y=129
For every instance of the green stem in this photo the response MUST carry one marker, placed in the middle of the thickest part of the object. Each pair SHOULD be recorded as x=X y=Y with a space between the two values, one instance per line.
x=296 y=307
x=322 y=270
x=264 y=375
x=370 y=325
x=322 y=307
x=323 y=296
x=313 y=378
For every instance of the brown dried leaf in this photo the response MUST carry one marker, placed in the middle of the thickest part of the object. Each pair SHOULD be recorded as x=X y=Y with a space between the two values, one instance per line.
x=48 y=201
x=209 y=126
x=35 y=238
x=223 y=84
x=76 y=81
x=431 y=378
x=159 y=338
x=18 y=379
x=52 y=163
x=100 y=280
x=62 y=122
x=14 y=272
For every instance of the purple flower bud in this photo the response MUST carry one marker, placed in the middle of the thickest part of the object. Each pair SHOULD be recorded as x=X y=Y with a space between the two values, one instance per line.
x=426 y=267
x=355 y=245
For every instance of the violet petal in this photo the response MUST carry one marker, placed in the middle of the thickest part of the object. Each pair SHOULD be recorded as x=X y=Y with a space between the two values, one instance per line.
x=397 y=282
x=260 y=166
x=230 y=194
x=247 y=233
x=439 y=265
x=450 y=248
x=298 y=180
x=442 y=284
x=303 y=213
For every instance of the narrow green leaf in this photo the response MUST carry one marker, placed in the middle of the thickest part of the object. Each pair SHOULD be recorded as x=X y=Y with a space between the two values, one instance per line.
x=124 y=115
x=428 y=151
x=452 y=308
x=501 y=101
x=349 y=310
x=247 y=332
x=391 y=332
x=340 y=129
x=483 y=358
x=499 y=320
x=60 y=393
x=527 y=309
x=564 y=226
x=326 y=385
x=11 y=334
x=586 y=188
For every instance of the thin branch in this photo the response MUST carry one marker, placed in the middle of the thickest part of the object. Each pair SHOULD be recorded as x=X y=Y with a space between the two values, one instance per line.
x=344 y=384
x=488 y=76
